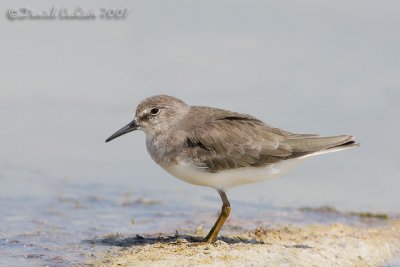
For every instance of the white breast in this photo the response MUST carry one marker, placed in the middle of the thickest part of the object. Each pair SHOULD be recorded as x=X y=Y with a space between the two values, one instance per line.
x=229 y=178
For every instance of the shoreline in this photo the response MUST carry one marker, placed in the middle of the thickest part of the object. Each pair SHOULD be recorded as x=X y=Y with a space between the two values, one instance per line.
x=312 y=245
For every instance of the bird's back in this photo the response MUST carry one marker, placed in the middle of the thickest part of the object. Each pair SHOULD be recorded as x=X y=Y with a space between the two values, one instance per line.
x=216 y=140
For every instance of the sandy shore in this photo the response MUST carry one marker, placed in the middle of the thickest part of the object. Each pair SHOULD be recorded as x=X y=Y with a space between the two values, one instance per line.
x=313 y=245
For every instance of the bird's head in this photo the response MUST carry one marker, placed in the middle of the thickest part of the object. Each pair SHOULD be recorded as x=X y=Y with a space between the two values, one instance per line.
x=155 y=115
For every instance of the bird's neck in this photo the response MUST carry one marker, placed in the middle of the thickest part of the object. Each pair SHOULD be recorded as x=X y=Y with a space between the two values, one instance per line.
x=162 y=147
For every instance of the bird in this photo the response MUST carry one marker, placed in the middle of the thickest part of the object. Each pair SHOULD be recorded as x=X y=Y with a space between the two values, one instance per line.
x=221 y=149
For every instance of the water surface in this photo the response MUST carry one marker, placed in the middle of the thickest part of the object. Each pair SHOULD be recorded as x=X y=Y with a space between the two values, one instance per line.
x=309 y=67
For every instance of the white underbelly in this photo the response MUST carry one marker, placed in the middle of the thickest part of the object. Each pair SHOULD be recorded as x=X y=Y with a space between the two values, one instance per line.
x=233 y=177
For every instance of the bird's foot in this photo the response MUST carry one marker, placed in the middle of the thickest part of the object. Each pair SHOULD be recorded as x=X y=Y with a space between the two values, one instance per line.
x=210 y=239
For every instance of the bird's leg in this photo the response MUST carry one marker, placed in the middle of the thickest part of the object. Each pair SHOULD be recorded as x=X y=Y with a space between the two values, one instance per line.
x=226 y=209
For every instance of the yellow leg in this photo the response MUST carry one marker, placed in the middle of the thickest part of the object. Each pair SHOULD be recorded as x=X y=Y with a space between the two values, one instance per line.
x=226 y=209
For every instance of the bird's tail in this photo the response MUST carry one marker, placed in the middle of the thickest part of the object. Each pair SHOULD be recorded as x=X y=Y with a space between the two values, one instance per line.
x=305 y=146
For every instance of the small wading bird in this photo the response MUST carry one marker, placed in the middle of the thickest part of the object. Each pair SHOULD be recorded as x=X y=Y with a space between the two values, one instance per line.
x=221 y=149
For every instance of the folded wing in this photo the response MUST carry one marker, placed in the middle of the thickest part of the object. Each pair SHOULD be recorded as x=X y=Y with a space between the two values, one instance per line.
x=229 y=140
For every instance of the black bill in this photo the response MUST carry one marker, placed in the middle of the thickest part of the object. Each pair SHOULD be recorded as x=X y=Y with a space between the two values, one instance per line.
x=126 y=129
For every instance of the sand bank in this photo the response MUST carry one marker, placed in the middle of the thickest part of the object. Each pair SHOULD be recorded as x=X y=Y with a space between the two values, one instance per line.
x=312 y=245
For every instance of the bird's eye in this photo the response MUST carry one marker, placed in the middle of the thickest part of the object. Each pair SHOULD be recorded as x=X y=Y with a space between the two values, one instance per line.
x=154 y=111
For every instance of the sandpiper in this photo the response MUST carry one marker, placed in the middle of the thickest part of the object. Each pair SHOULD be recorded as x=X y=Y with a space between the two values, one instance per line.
x=221 y=149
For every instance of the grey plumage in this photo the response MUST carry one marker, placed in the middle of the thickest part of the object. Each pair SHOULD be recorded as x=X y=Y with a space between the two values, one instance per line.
x=220 y=148
x=214 y=139
x=226 y=140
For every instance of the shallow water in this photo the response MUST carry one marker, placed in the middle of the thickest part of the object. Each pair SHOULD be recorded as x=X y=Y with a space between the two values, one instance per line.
x=329 y=68
x=57 y=222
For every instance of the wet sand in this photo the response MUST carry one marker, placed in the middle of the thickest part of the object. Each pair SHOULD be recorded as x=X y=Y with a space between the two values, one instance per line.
x=311 y=245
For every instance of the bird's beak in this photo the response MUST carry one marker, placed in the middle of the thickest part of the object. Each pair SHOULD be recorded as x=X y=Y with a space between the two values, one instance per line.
x=133 y=125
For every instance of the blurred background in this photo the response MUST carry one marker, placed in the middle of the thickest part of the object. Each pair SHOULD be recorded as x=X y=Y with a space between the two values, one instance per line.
x=326 y=67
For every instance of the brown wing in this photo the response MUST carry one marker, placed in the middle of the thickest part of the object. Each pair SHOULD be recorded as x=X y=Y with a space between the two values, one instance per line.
x=232 y=140
x=228 y=140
